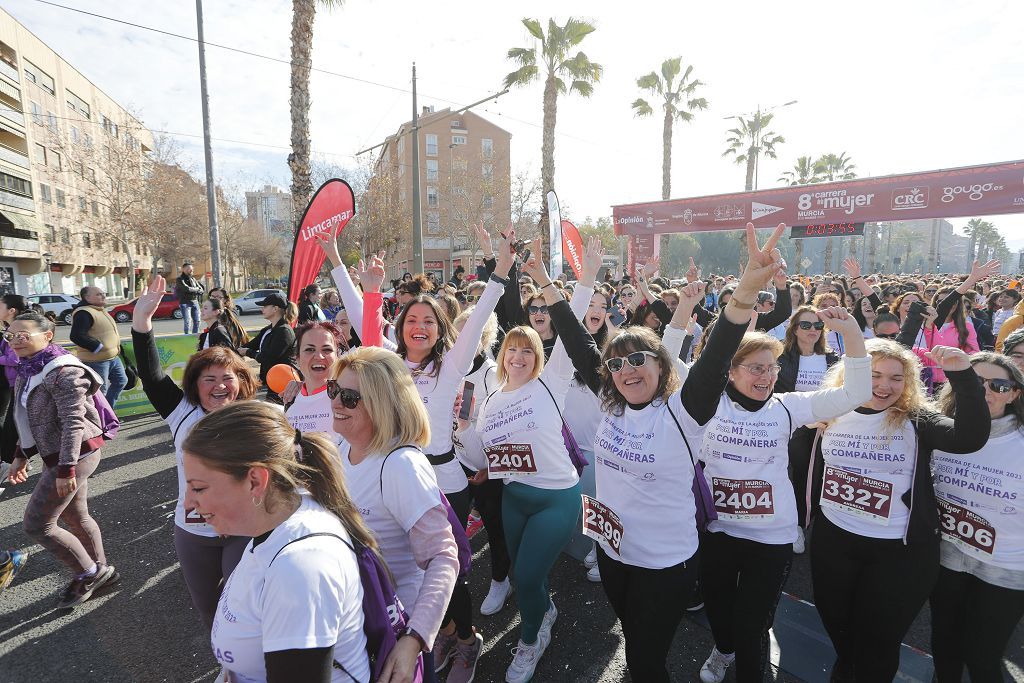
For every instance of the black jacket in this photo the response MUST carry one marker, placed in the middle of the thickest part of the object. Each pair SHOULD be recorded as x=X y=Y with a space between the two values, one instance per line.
x=790 y=363
x=309 y=312
x=279 y=347
x=218 y=337
x=765 y=321
x=188 y=289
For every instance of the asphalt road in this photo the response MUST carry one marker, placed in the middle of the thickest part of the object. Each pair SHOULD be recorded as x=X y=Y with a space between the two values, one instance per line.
x=252 y=322
x=145 y=629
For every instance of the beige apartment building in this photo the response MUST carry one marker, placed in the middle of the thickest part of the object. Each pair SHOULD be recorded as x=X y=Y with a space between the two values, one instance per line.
x=465 y=177
x=60 y=137
x=271 y=208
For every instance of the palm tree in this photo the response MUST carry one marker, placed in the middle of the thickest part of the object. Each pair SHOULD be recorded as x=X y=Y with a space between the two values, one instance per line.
x=564 y=74
x=678 y=103
x=804 y=172
x=834 y=167
x=303 y=14
x=750 y=140
x=975 y=229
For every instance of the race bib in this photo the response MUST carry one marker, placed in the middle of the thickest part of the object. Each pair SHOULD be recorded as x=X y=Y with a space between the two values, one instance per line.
x=743 y=500
x=856 y=495
x=510 y=460
x=601 y=523
x=965 y=528
x=193 y=517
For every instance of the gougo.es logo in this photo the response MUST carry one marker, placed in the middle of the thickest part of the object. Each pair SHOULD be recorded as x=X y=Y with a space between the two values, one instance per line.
x=973 y=192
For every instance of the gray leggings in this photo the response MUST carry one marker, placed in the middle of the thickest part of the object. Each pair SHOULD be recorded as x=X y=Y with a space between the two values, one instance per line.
x=80 y=545
x=205 y=562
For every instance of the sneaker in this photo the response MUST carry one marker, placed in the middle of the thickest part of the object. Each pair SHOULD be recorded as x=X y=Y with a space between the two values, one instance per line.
x=800 y=544
x=5 y=469
x=544 y=634
x=10 y=568
x=496 y=597
x=81 y=587
x=524 y=662
x=594 y=574
x=590 y=561
x=476 y=523
x=444 y=650
x=466 y=656
x=696 y=600
x=714 y=668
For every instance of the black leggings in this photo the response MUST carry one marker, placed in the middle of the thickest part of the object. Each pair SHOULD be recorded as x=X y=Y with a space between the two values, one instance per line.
x=742 y=583
x=972 y=622
x=460 y=607
x=488 y=503
x=868 y=592
x=649 y=603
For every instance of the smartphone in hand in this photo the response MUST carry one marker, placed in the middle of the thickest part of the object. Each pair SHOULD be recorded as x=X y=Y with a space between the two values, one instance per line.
x=467 y=400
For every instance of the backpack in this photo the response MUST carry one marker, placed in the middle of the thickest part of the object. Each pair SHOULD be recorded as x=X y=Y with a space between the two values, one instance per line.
x=384 y=616
x=458 y=531
x=109 y=423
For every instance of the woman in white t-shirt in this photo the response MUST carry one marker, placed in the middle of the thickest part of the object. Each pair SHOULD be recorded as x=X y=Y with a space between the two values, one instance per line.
x=875 y=545
x=307 y=406
x=979 y=597
x=384 y=424
x=292 y=608
x=805 y=356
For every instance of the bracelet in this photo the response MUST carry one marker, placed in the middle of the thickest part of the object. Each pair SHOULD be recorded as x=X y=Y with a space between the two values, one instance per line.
x=550 y=284
x=741 y=305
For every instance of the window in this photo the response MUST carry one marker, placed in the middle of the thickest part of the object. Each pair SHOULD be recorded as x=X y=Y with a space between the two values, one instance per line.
x=95 y=208
x=52 y=232
x=98 y=241
x=55 y=161
x=77 y=104
x=37 y=112
x=77 y=167
x=60 y=199
x=431 y=145
x=401 y=147
x=488 y=201
x=51 y=120
x=488 y=171
x=86 y=240
x=74 y=135
x=82 y=204
x=109 y=126
x=489 y=220
x=88 y=141
x=91 y=174
x=433 y=221
x=39 y=77
x=457 y=124
x=432 y=197
x=458 y=139
x=40 y=154
x=65 y=235
x=44 y=194
x=13 y=183
x=487 y=147
x=431 y=170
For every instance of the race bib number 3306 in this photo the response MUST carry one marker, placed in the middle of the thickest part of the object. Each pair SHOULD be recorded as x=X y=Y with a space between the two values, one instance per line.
x=743 y=500
x=601 y=523
x=965 y=528
x=510 y=460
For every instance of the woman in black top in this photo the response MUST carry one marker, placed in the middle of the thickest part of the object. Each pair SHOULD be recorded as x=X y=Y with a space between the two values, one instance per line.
x=223 y=328
x=309 y=305
x=275 y=343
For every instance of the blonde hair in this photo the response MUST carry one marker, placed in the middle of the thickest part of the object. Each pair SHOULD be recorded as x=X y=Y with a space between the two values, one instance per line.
x=912 y=401
x=521 y=336
x=754 y=342
x=389 y=397
x=490 y=328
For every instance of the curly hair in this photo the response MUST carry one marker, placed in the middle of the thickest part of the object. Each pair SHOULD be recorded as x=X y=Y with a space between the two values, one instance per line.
x=629 y=340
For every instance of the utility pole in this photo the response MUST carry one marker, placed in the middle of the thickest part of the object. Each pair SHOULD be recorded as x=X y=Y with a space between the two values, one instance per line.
x=211 y=192
x=417 y=226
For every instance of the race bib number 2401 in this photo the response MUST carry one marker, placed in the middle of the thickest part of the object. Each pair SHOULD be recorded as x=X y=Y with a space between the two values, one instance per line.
x=510 y=460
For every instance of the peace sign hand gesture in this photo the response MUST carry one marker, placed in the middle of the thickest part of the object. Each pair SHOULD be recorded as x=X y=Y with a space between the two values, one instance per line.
x=762 y=263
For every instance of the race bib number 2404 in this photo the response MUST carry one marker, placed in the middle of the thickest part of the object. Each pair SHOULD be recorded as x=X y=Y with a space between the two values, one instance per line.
x=743 y=500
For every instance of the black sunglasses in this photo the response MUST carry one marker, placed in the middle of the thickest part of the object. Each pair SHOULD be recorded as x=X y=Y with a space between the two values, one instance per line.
x=537 y=309
x=999 y=386
x=806 y=325
x=887 y=336
x=636 y=359
x=349 y=397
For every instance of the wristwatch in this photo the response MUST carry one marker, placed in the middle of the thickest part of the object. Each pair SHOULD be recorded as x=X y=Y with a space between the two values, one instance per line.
x=409 y=631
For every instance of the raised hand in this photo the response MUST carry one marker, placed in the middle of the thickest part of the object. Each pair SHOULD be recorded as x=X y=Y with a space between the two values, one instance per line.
x=534 y=266
x=329 y=244
x=839 y=319
x=651 y=267
x=950 y=358
x=593 y=256
x=505 y=254
x=693 y=272
x=982 y=272
x=689 y=296
x=291 y=390
x=483 y=238
x=762 y=263
x=851 y=267
x=146 y=304
x=371 y=277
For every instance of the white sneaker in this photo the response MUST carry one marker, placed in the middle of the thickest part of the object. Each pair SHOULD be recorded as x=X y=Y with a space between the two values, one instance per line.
x=590 y=561
x=544 y=634
x=496 y=597
x=714 y=668
x=524 y=662
x=799 y=545
x=594 y=574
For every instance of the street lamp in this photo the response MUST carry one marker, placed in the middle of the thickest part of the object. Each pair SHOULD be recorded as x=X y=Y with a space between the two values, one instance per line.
x=451 y=211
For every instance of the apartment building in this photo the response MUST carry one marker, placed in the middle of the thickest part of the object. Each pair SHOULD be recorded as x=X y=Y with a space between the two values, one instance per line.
x=465 y=177
x=271 y=208
x=62 y=140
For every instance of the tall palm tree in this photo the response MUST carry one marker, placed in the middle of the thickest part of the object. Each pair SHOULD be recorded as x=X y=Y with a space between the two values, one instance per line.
x=678 y=103
x=975 y=229
x=303 y=14
x=750 y=140
x=804 y=172
x=834 y=167
x=563 y=74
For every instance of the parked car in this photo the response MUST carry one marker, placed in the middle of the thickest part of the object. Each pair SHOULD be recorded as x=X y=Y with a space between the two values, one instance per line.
x=168 y=308
x=247 y=302
x=60 y=305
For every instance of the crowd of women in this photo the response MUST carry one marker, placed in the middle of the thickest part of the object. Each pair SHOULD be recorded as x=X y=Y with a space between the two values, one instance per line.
x=717 y=425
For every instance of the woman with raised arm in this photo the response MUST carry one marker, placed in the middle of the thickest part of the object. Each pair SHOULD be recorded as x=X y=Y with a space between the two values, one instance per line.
x=213 y=378
x=805 y=357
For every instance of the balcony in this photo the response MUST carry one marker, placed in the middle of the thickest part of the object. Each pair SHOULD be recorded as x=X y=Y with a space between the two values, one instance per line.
x=17 y=200
x=9 y=71
x=12 y=115
x=13 y=157
x=17 y=239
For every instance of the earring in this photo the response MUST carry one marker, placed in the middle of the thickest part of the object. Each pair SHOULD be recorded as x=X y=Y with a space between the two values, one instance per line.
x=257 y=502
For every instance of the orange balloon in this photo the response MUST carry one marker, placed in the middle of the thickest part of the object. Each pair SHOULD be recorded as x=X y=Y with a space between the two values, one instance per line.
x=279 y=376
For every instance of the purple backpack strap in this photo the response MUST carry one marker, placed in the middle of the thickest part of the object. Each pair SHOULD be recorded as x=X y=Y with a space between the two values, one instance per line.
x=579 y=461
x=108 y=419
x=705 y=505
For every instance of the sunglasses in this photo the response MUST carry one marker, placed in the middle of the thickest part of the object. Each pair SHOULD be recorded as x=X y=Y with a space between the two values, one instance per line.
x=768 y=302
x=887 y=336
x=806 y=325
x=472 y=297
x=999 y=386
x=930 y=292
x=758 y=370
x=349 y=397
x=537 y=309
x=21 y=337
x=635 y=359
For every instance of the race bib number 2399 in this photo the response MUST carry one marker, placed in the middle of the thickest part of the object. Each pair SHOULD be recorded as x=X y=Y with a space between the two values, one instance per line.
x=601 y=523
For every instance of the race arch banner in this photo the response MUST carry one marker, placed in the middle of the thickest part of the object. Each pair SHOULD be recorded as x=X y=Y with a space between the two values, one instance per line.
x=329 y=211
x=572 y=245
x=970 y=191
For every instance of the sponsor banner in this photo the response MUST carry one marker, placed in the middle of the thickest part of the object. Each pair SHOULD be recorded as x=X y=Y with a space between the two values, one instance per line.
x=572 y=245
x=554 y=235
x=330 y=209
x=640 y=248
x=970 y=191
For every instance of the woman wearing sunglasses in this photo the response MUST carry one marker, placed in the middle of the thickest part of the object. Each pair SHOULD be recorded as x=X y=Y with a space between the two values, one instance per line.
x=875 y=543
x=805 y=357
x=385 y=426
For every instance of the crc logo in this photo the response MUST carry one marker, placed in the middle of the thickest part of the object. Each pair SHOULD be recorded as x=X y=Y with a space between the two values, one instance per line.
x=973 y=192
x=688 y=216
x=909 y=198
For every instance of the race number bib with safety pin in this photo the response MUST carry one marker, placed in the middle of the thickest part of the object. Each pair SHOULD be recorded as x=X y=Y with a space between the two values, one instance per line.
x=510 y=460
x=965 y=528
x=856 y=494
x=743 y=500
x=601 y=523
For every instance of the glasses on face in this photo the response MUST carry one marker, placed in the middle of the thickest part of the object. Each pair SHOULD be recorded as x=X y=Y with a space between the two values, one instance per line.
x=20 y=337
x=628 y=295
x=930 y=292
x=769 y=303
x=892 y=335
x=534 y=310
x=758 y=370
x=349 y=397
x=998 y=386
x=635 y=359
x=806 y=325
x=472 y=297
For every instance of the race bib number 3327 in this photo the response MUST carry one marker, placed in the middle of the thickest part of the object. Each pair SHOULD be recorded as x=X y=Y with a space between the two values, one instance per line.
x=510 y=460
x=601 y=523
x=855 y=494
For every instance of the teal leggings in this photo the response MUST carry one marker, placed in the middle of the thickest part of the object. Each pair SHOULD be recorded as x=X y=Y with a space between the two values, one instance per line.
x=538 y=523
